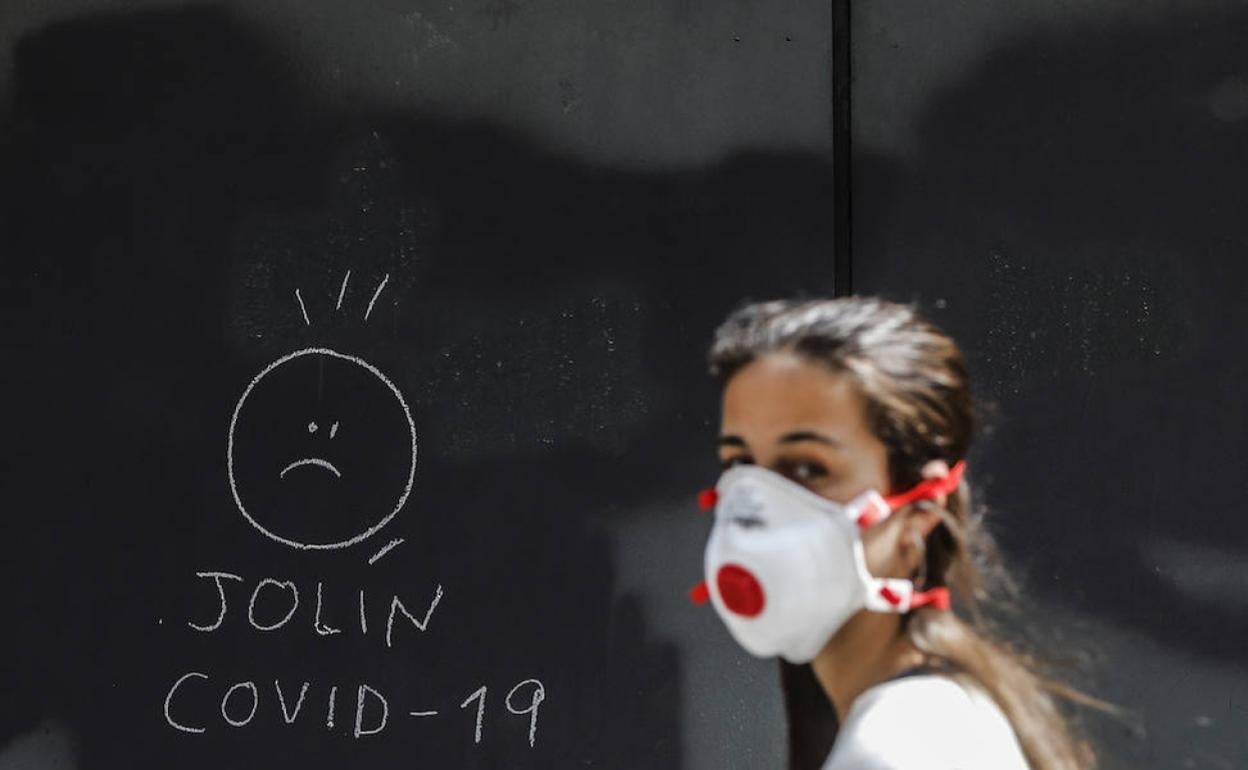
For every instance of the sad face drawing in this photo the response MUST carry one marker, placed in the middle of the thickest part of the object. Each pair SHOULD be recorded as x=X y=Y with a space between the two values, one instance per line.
x=322 y=450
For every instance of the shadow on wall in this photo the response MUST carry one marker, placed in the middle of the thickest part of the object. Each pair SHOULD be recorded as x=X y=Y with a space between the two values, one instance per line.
x=170 y=180
x=1075 y=214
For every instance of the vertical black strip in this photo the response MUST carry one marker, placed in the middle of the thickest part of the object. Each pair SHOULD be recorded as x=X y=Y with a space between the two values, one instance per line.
x=842 y=157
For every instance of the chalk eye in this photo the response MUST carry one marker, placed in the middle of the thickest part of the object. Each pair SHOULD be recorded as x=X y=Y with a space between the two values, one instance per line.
x=333 y=430
x=311 y=427
x=748 y=522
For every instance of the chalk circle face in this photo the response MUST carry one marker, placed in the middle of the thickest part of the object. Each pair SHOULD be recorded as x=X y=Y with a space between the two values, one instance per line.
x=322 y=450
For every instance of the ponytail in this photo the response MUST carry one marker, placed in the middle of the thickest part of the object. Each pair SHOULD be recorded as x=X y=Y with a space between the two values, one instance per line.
x=969 y=649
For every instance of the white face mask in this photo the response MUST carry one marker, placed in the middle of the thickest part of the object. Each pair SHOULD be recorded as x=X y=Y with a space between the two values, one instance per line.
x=785 y=568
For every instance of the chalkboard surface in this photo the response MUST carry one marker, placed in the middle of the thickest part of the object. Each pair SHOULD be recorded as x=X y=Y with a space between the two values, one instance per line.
x=324 y=419
x=352 y=359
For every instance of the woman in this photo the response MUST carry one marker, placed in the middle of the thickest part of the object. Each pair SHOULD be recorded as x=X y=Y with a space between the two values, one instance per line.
x=828 y=407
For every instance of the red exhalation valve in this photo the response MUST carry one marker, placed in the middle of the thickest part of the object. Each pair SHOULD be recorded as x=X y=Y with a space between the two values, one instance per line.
x=740 y=590
x=707 y=498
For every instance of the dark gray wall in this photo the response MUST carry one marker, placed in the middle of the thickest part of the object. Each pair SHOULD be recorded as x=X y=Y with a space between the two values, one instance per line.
x=632 y=83
x=1063 y=187
x=566 y=198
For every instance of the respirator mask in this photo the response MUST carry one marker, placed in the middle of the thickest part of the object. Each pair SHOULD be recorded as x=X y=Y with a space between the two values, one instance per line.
x=785 y=568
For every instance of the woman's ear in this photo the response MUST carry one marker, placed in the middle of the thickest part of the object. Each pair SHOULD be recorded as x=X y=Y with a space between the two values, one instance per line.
x=936 y=469
x=915 y=523
x=920 y=520
x=904 y=539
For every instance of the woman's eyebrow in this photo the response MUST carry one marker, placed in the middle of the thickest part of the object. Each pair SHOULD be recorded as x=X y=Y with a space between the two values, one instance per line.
x=810 y=435
x=788 y=438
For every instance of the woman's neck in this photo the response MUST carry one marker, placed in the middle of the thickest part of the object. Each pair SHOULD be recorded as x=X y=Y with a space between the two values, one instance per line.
x=867 y=650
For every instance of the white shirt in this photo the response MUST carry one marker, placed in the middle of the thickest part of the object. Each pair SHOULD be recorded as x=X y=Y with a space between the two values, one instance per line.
x=925 y=722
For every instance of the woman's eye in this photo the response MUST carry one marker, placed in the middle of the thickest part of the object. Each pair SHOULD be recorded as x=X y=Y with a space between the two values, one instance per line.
x=729 y=462
x=806 y=472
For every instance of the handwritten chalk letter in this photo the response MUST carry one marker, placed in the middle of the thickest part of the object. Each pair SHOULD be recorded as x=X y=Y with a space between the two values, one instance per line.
x=359 y=711
x=294 y=603
x=396 y=606
x=217 y=577
x=290 y=717
x=318 y=624
x=169 y=702
x=255 y=701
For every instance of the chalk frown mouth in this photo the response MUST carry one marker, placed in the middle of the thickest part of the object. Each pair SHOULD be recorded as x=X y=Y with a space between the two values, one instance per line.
x=318 y=462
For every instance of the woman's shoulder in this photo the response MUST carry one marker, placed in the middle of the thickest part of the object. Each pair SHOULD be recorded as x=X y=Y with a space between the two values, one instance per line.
x=928 y=721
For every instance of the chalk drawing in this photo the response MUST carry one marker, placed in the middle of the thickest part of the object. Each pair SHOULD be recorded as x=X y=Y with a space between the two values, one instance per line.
x=294 y=604
x=217 y=578
x=342 y=291
x=396 y=606
x=385 y=549
x=359 y=711
x=303 y=308
x=376 y=294
x=539 y=695
x=255 y=701
x=372 y=707
x=320 y=462
x=318 y=624
x=479 y=696
x=254 y=517
x=271 y=615
x=289 y=716
x=169 y=702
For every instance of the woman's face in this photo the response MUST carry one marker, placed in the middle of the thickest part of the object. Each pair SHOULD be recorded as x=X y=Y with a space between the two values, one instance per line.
x=804 y=421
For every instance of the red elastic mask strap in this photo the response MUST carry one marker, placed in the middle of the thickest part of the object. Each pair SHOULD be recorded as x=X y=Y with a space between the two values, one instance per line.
x=700 y=594
x=931 y=488
x=937 y=598
x=707 y=499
